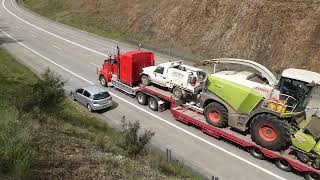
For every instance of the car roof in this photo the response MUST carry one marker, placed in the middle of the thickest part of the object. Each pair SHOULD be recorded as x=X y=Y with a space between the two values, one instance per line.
x=93 y=89
x=302 y=75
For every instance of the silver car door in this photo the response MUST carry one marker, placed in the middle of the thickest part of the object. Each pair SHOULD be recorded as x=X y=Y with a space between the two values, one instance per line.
x=86 y=98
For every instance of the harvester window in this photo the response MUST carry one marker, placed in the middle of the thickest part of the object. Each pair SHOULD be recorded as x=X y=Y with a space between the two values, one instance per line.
x=159 y=70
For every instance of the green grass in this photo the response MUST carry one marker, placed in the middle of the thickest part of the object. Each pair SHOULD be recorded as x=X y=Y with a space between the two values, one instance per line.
x=71 y=143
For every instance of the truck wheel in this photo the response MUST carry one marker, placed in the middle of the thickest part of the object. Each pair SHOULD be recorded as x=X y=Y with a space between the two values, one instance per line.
x=256 y=153
x=145 y=80
x=142 y=98
x=270 y=132
x=311 y=176
x=216 y=115
x=103 y=81
x=153 y=104
x=283 y=165
x=177 y=92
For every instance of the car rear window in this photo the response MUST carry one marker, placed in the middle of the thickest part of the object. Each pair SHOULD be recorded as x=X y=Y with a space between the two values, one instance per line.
x=102 y=95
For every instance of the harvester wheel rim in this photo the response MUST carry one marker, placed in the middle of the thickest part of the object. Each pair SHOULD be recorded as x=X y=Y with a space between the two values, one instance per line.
x=267 y=133
x=215 y=116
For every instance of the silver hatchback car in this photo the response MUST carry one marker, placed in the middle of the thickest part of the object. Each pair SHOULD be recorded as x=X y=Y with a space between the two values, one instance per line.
x=93 y=97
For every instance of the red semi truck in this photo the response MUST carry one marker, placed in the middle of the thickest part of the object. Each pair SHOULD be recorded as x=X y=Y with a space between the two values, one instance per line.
x=123 y=73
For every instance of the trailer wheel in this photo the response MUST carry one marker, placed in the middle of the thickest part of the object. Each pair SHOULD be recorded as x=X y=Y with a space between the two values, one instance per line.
x=256 y=152
x=311 y=176
x=270 y=132
x=283 y=165
x=145 y=80
x=302 y=157
x=153 y=104
x=316 y=164
x=103 y=81
x=177 y=92
x=142 y=98
x=216 y=115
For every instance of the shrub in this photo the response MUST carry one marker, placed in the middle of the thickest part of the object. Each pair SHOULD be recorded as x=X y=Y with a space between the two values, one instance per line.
x=46 y=94
x=133 y=141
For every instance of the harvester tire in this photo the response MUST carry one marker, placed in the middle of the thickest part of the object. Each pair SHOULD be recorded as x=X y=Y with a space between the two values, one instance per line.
x=103 y=81
x=270 y=132
x=216 y=115
x=145 y=80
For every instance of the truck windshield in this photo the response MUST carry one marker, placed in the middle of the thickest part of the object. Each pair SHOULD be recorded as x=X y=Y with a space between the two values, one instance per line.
x=100 y=96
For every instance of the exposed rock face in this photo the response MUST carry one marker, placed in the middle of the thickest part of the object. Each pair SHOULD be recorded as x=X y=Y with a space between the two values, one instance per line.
x=276 y=33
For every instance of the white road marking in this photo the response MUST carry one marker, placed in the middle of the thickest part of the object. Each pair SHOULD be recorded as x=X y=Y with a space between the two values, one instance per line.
x=141 y=109
x=33 y=35
x=94 y=64
x=56 y=47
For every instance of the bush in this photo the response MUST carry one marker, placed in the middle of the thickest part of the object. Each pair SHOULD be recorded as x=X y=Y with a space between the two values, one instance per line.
x=46 y=95
x=134 y=142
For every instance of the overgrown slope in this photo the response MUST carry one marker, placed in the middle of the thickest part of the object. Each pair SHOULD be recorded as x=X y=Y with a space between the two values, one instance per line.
x=277 y=33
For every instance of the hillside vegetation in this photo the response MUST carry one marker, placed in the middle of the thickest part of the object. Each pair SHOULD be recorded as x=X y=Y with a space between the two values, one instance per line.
x=276 y=33
x=43 y=135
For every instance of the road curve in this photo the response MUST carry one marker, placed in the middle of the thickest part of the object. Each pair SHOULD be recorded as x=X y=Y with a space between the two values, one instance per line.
x=41 y=43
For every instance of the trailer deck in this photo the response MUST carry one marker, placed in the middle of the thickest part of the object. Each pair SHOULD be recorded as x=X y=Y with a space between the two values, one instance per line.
x=189 y=116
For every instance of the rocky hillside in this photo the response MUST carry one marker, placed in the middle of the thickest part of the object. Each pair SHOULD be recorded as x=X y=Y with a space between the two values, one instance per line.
x=276 y=33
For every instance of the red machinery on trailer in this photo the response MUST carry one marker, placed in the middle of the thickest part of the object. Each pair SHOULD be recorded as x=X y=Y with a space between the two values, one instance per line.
x=131 y=64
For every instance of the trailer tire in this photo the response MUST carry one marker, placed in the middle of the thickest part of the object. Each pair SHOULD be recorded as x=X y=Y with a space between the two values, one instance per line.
x=177 y=92
x=311 y=176
x=145 y=80
x=142 y=98
x=153 y=104
x=103 y=81
x=216 y=115
x=256 y=153
x=270 y=132
x=316 y=164
x=283 y=165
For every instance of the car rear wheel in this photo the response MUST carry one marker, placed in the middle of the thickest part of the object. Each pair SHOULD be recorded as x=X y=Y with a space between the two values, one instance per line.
x=216 y=115
x=145 y=80
x=72 y=97
x=89 y=108
x=153 y=104
x=103 y=81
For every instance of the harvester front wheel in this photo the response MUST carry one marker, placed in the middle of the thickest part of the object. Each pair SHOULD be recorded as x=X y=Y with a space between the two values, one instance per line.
x=270 y=132
x=216 y=115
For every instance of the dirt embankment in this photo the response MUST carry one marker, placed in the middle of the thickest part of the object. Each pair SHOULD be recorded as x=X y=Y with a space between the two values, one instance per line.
x=276 y=33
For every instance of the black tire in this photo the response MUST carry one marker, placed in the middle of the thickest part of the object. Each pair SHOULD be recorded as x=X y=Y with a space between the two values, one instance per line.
x=142 y=98
x=302 y=157
x=311 y=176
x=216 y=115
x=270 y=132
x=72 y=97
x=145 y=80
x=256 y=153
x=89 y=108
x=177 y=92
x=283 y=165
x=153 y=104
x=316 y=164
x=103 y=81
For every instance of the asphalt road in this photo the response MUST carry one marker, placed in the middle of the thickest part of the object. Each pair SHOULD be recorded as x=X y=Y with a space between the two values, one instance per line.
x=41 y=43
